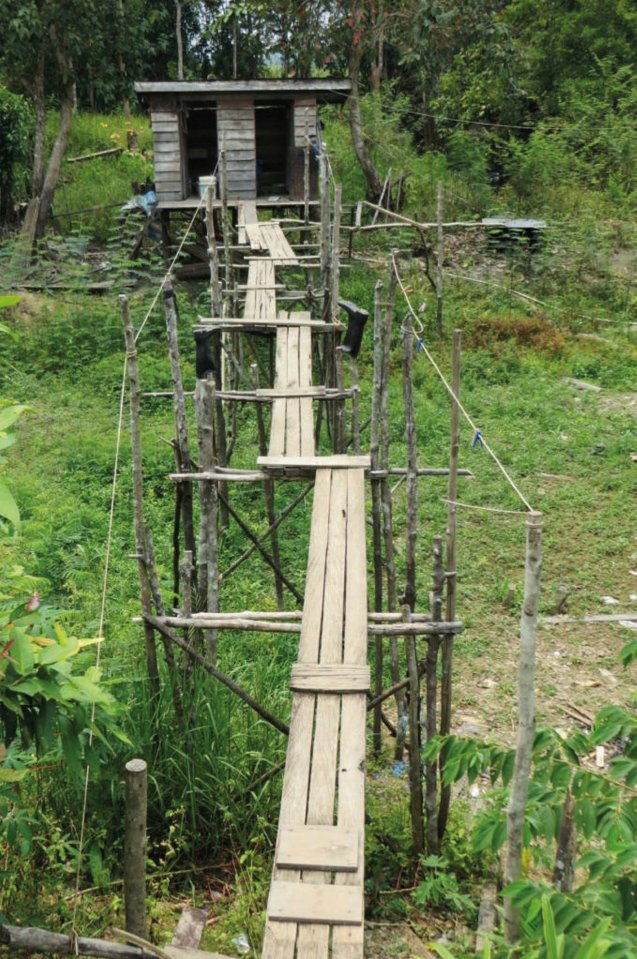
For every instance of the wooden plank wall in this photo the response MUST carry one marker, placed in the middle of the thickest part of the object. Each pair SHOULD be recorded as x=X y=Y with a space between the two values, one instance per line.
x=168 y=159
x=304 y=121
x=235 y=132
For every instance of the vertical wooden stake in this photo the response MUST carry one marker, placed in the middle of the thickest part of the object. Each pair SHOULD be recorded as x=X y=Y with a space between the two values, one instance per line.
x=186 y=571
x=377 y=503
x=356 y=421
x=208 y=547
x=306 y=190
x=268 y=492
x=213 y=253
x=409 y=599
x=138 y=499
x=415 y=759
x=388 y=532
x=336 y=250
x=181 y=422
x=526 y=720
x=135 y=847
x=339 y=419
x=433 y=642
x=451 y=576
x=439 y=258
x=324 y=237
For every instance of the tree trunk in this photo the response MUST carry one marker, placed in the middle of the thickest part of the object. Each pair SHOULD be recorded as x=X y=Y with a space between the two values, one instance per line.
x=55 y=160
x=180 y=41
x=37 y=178
x=374 y=182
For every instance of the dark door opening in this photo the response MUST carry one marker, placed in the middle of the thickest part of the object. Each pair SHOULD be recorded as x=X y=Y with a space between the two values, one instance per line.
x=200 y=130
x=272 y=126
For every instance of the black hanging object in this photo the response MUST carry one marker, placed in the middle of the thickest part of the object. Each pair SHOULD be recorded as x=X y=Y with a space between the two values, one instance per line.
x=204 y=360
x=356 y=320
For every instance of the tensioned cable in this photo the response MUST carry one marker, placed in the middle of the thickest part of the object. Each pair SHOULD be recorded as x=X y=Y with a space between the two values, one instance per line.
x=476 y=432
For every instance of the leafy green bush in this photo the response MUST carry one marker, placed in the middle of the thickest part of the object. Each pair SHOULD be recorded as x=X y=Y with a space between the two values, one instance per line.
x=16 y=130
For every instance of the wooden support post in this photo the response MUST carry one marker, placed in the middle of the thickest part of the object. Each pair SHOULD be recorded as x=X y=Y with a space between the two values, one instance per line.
x=186 y=571
x=213 y=253
x=135 y=847
x=306 y=192
x=356 y=423
x=268 y=493
x=340 y=425
x=526 y=721
x=324 y=238
x=451 y=576
x=336 y=250
x=377 y=503
x=439 y=259
x=433 y=643
x=409 y=599
x=138 y=499
x=208 y=547
x=415 y=760
x=181 y=422
x=388 y=531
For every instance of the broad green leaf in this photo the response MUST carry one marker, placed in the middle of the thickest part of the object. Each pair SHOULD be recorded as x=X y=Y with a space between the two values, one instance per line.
x=9 y=300
x=59 y=652
x=7 y=440
x=592 y=948
x=10 y=414
x=553 y=950
x=12 y=775
x=8 y=506
x=21 y=652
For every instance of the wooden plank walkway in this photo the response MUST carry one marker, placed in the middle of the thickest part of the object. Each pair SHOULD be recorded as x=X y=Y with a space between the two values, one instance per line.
x=316 y=903
x=324 y=779
x=292 y=426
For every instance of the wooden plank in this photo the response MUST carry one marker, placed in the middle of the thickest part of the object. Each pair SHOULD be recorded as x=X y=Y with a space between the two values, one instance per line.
x=328 y=848
x=305 y=378
x=190 y=928
x=250 y=212
x=278 y=421
x=338 y=461
x=309 y=642
x=315 y=903
x=355 y=632
x=292 y=409
x=330 y=678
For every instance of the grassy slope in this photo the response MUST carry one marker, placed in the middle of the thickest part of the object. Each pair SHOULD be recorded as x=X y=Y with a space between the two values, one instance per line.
x=68 y=368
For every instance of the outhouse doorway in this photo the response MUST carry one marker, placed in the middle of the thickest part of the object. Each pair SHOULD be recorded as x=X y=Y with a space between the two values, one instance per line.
x=272 y=126
x=200 y=133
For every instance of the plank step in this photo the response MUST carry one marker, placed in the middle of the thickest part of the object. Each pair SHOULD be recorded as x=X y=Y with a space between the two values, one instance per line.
x=335 y=462
x=328 y=678
x=315 y=903
x=326 y=848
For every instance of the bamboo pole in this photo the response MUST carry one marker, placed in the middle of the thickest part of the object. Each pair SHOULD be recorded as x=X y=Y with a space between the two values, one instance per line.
x=415 y=759
x=135 y=847
x=439 y=259
x=451 y=574
x=181 y=423
x=324 y=238
x=138 y=499
x=526 y=721
x=433 y=643
x=186 y=572
x=213 y=252
x=377 y=503
x=268 y=493
x=388 y=532
x=208 y=546
x=306 y=190
x=335 y=251
x=355 y=393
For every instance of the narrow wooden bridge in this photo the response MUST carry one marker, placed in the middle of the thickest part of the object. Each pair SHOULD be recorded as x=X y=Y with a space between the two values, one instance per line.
x=315 y=907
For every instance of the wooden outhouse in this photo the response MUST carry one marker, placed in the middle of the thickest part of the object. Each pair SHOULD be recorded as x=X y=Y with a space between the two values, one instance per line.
x=263 y=126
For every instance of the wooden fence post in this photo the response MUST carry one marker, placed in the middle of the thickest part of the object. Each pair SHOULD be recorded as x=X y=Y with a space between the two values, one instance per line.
x=526 y=720
x=135 y=847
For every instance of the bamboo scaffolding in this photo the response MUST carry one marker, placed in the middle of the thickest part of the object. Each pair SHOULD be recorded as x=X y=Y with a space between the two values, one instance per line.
x=377 y=503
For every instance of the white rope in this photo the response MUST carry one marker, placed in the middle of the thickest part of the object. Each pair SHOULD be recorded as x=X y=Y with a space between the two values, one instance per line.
x=456 y=399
